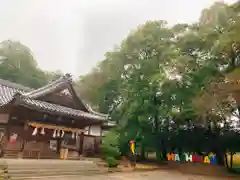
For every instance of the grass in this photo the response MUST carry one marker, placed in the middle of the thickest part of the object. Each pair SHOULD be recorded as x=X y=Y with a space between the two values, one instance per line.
x=236 y=160
x=236 y=166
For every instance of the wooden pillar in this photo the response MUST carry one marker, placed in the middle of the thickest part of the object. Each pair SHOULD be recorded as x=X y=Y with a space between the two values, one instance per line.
x=59 y=145
x=97 y=141
x=81 y=140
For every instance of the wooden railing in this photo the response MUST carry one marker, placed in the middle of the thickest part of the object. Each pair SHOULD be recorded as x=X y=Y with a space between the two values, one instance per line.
x=31 y=154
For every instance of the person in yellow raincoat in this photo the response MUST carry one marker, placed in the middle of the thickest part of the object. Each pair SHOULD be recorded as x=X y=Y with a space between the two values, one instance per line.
x=132 y=149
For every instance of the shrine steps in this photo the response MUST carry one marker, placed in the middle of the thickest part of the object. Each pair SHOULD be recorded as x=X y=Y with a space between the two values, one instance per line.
x=16 y=154
x=21 y=169
x=11 y=154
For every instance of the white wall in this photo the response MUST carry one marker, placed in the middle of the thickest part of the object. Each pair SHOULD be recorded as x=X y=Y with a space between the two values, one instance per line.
x=93 y=130
x=86 y=129
x=4 y=118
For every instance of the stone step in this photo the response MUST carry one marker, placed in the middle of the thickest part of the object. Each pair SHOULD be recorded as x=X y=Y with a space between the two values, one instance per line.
x=11 y=156
x=46 y=177
x=22 y=169
x=45 y=161
x=55 y=169
x=23 y=174
x=53 y=177
x=31 y=163
x=50 y=169
x=49 y=174
x=50 y=166
x=49 y=177
x=59 y=164
x=39 y=173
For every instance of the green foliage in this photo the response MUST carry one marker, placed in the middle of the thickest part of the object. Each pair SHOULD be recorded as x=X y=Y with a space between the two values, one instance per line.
x=158 y=84
x=161 y=84
x=111 y=161
x=110 y=148
x=18 y=65
x=110 y=145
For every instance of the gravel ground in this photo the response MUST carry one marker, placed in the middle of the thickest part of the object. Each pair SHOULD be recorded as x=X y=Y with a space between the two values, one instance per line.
x=150 y=175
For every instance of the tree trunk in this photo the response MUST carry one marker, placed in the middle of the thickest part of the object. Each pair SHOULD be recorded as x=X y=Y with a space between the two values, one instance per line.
x=220 y=157
x=156 y=130
x=231 y=160
x=163 y=150
x=158 y=148
x=226 y=160
x=143 y=152
x=164 y=154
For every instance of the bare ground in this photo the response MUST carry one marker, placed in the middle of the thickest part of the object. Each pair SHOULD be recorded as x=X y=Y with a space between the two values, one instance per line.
x=150 y=175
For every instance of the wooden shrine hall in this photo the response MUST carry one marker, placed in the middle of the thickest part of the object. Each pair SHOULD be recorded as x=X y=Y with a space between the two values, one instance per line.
x=42 y=123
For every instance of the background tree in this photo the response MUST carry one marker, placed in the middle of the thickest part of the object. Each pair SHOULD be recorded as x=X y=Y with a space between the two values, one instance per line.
x=18 y=65
x=157 y=82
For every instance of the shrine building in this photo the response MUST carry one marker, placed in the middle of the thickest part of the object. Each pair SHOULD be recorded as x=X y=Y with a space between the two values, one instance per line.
x=41 y=123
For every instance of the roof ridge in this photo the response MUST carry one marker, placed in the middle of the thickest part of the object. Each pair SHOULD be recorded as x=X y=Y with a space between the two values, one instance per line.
x=49 y=87
x=87 y=106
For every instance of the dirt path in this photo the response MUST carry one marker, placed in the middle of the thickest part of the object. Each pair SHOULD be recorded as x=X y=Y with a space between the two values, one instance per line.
x=153 y=175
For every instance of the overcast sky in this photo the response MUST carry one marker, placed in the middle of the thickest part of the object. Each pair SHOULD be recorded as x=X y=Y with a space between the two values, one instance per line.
x=73 y=35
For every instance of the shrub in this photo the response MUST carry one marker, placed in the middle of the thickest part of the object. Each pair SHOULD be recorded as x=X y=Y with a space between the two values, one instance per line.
x=111 y=161
x=110 y=149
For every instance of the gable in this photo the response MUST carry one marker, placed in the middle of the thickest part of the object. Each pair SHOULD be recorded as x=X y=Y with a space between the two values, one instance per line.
x=59 y=92
x=66 y=92
x=63 y=97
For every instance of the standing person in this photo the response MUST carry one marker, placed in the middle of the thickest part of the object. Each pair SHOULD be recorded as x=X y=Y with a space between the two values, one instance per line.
x=133 y=154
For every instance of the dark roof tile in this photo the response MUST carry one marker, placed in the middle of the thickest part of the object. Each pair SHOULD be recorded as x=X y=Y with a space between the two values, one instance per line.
x=54 y=108
x=7 y=94
x=27 y=96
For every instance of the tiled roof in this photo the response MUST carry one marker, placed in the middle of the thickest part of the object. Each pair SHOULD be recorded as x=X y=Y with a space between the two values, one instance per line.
x=26 y=97
x=7 y=94
x=96 y=113
x=8 y=90
x=58 y=109
x=53 y=86
x=109 y=123
x=14 y=85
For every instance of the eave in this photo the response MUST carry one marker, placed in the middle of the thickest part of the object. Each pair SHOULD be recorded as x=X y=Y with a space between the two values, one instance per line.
x=21 y=100
x=12 y=93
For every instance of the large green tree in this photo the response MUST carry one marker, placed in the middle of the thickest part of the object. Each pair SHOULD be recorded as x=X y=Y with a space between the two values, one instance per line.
x=157 y=82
